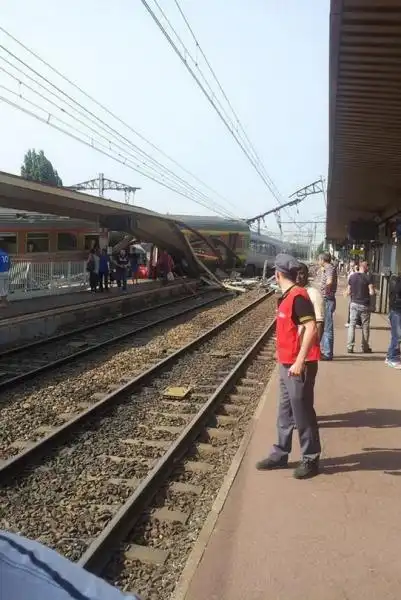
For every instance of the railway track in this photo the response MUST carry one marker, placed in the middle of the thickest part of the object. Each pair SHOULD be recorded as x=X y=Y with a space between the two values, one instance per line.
x=86 y=484
x=23 y=363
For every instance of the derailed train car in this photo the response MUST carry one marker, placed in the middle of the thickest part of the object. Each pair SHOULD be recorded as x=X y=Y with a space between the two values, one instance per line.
x=236 y=245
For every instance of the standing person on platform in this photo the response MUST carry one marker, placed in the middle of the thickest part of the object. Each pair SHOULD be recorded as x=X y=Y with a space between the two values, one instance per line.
x=393 y=355
x=360 y=289
x=328 y=289
x=165 y=266
x=314 y=296
x=134 y=260
x=354 y=268
x=122 y=263
x=4 y=277
x=92 y=266
x=104 y=270
x=298 y=357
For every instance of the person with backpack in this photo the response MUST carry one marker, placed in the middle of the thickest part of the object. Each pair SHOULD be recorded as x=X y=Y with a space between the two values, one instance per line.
x=393 y=355
x=4 y=277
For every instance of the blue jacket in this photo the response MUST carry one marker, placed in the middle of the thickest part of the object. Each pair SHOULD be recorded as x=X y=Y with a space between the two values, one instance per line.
x=104 y=262
x=4 y=262
x=30 y=571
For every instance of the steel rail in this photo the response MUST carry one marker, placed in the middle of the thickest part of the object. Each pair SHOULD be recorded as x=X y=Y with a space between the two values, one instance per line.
x=100 y=551
x=60 y=336
x=16 y=380
x=13 y=466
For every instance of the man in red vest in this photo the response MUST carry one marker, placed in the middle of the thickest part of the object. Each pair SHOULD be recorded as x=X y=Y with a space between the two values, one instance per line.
x=298 y=353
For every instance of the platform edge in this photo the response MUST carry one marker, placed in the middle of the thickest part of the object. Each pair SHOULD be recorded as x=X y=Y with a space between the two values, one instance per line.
x=196 y=554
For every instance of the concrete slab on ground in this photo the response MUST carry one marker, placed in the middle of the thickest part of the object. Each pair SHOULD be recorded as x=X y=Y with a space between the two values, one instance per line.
x=333 y=537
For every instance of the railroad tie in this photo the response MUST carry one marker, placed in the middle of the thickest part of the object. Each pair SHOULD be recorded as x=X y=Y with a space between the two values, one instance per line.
x=170 y=516
x=203 y=448
x=197 y=466
x=146 y=554
x=186 y=488
x=217 y=433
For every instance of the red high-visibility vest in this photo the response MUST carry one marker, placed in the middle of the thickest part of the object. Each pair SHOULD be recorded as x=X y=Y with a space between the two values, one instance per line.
x=287 y=334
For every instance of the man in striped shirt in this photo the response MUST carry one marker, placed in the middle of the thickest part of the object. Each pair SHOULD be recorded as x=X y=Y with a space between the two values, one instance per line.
x=328 y=289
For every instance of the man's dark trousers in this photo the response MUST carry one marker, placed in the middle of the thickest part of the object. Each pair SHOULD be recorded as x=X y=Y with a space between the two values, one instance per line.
x=296 y=409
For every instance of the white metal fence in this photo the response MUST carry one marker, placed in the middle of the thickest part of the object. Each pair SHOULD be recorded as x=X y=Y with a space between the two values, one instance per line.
x=28 y=279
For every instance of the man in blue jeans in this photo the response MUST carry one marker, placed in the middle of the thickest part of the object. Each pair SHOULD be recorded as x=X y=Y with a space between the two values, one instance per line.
x=393 y=355
x=328 y=289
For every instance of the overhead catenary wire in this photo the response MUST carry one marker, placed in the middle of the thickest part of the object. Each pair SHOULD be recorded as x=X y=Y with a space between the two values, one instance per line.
x=186 y=189
x=59 y=95
x=119 y=158
x=166 y=176
x=216 y=79
x=113 y=115
x=252 y=155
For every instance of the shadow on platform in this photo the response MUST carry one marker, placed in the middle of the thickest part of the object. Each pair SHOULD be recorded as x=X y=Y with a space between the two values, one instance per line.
x=377 y=418
x=359 y=356
x=387 y=460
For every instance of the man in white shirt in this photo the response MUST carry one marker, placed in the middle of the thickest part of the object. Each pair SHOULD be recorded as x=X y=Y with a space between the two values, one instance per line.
x=315 y=297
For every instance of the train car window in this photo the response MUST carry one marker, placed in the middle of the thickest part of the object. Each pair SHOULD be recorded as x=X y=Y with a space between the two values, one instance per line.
x=37 y=242
x=9 y=243
x=66 y=241
x=91 y=241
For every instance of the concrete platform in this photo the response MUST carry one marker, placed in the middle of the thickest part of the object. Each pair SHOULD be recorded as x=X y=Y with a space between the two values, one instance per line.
x=335 y=537
x=26 y=320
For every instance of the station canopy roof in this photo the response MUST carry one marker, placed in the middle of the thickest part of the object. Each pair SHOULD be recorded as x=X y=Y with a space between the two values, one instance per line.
x=23 y=195
x=365 y=113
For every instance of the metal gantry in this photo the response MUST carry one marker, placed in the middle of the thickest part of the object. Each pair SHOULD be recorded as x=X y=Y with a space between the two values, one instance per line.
x=317 y=187
x=101 y=184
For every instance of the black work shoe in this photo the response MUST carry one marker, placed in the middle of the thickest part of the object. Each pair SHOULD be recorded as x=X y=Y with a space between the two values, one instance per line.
x=270 y=463
x=367 y=351
x=307 y=469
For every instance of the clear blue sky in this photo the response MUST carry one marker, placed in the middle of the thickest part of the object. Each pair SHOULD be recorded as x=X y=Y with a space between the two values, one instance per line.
x=270 y=55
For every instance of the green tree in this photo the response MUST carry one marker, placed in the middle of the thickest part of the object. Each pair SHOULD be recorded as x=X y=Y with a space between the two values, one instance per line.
x=37 y=167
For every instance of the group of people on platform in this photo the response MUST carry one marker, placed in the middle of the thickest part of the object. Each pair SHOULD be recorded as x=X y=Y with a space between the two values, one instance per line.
x=104 y=268
x=305 y=336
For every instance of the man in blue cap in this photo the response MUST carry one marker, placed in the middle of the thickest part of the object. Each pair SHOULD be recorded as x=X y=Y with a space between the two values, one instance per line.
x=298 y=353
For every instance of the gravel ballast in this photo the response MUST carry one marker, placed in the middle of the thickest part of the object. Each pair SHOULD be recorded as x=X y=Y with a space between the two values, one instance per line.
x=52 y=398
x=68 y=500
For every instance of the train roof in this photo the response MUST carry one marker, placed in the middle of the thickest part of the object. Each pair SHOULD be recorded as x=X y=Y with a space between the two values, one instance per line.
x=266 y=238
x=211 y=223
